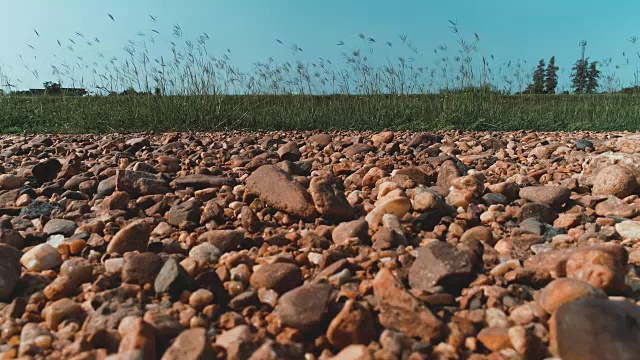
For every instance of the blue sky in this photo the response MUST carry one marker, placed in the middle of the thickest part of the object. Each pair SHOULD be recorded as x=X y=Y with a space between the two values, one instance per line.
x=509 y=30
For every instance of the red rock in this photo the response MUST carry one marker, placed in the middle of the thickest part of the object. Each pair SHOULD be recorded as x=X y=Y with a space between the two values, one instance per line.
x=353 y=325
x=400 y=311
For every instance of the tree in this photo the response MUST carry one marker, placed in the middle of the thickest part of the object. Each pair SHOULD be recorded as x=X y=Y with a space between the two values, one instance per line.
x=592 y=78
x=52 y=88
x=579 y=76
x=551 y=77
x=538 y=78
x=537 y=85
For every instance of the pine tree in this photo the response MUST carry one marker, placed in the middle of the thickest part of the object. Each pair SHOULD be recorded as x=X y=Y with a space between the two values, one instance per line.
x=538 y=79
x=579 y=76
x=551 y=77
x=592 y=78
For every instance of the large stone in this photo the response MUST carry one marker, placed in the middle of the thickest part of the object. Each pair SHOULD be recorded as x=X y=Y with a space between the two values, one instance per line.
x=172 y=278
x=205 y=253
x=39 y=208
x=46 y=171
x=357 y=149
x=289 y=151
x=60 y=226
x=628 y=144
x=599 y=268
x=9 y=182
x=140 y=268
x=354 y=324
x=304 y=307
x=348 y=230
x=187 y=211
x=224 y=240
x=613 y=206
x=140 y=183
x=564 y=290
x=202 y=181
x=553 y=196
x=440 y=263
x=281 y=277
x=281 y=192
x=447 y=172
x=41 y=257
x=398 y=206
x=401 y=311
x=329 y=200
x=596 y=329
x=555 y=262
x=138 y=340
x=629 y=229
x=616 y=180
x=132 y=237
x=191 y=344
x=9 y=270
x=61 y=310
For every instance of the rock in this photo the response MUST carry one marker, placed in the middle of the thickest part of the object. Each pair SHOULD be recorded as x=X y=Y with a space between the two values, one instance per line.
x=429 y=201
x=629 y=144
x=629 y=229
x=187 y=211
x=357 y=149
x=172 y=278
x=599 y=268
x=205 y=253
x=441 y=264
x=11 y=237
x=613 y=206
x=61 y=310
x=494 y=339
x=140 y=183
x=480 y=233
x=271 y=350
x=119 y=200
x=400 y=311
x=564 y=290
x=132 y=237
x=141 y=268
x=423 y=139
x=494 y=199
x=304 y=307
x=353 y=325
x=139 y=338
x=224 y=240
x=553 y=196
x=354 y=352
x=106 y=187
x=397 y=206
x=603 y=329
x=60 y=226
x=202 y=181
x=39 y=208
x=616 y=180
x=384 y=137
x=353 y=229
x=9 y=270
x=321 y=140
x=250 y=220
x=46 y=171
x=582 y=145
x=281 y=192
x=9 y=182
x=289 y=151
x=538 y=211
x=329 y=200
x=447 y=172
x=41 y=257
x=281 y=277
x=78 y=270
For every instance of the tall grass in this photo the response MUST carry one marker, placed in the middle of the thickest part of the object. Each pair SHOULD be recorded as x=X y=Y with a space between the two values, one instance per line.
x=374 y=84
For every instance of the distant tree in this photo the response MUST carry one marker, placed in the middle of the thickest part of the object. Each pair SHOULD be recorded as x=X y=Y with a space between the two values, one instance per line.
x=1 y=92
x=593 y=74
x=52 y=88
x=579 y=76
x=551 y=77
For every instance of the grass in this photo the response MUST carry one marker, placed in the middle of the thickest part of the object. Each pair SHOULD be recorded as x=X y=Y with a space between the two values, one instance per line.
x=602 y=112
x=374 y=85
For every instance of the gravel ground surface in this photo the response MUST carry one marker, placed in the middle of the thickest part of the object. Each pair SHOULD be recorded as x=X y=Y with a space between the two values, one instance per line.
x=308 y=245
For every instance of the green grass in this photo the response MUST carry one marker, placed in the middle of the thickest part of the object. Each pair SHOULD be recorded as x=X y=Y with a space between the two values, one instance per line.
x=100 y=114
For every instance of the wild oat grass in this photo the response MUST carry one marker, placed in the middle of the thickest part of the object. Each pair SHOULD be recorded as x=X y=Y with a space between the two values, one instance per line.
x=190 y=88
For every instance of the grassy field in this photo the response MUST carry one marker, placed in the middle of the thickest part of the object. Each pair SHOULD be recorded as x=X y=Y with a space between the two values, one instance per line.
x=101 y=114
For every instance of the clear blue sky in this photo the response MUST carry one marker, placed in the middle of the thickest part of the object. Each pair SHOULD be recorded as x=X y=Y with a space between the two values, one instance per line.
x=510 y=30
